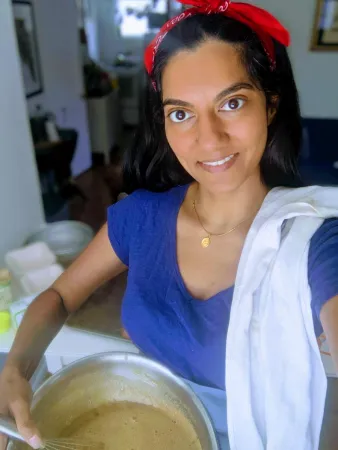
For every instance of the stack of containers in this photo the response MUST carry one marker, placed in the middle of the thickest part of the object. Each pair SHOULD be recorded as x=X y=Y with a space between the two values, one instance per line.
x=33 y=269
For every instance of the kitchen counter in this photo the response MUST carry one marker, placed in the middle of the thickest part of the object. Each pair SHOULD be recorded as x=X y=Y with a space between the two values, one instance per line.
x=101 y=314
x=95 y=328
x=70 y=345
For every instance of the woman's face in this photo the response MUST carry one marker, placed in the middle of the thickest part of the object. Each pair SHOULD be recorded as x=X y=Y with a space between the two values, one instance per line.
x=216 y=120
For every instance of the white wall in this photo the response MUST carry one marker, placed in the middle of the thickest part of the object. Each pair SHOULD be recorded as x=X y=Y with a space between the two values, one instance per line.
x=101 y=13
x=57 y=34
x=109 y=41
x=20 y=201
x=316 y=72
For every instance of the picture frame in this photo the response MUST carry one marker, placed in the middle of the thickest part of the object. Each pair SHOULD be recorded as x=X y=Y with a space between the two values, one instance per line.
x=25 y=28
x=325 y=29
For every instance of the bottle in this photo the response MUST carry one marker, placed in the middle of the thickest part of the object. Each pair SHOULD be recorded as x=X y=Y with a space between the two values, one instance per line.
x=5 y=300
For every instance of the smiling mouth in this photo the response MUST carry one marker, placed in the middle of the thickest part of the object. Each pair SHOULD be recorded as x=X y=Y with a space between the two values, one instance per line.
x=220 y=165
x=219 y=162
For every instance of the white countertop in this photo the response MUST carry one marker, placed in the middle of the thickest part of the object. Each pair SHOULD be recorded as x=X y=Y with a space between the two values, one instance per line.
x=74 y=343
x=69 y=344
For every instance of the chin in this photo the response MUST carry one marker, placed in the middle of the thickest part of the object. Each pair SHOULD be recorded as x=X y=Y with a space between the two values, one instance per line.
x=221 y=184
x=230 y=181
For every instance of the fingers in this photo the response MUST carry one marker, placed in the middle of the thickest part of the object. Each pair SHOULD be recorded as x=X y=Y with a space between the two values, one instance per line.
x=26 y=426
x=3 y=437
x=3 y=441
x=16 y=395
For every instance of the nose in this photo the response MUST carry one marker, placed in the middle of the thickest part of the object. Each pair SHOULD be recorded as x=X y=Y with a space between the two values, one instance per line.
x=211 y=132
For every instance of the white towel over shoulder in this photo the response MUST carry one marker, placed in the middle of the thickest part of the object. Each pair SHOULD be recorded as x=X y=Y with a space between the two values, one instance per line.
x=276 y=384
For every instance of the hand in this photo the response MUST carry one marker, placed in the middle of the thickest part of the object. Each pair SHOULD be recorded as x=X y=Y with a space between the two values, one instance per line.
x=15 y=399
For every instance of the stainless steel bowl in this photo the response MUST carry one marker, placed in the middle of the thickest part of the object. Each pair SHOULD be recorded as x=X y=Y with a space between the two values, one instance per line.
x=108 y=377
x=67 y=239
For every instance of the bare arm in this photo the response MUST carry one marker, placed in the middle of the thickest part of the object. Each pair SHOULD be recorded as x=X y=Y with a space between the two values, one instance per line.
x=329 y=320
x=46 y=315
x=42 y=321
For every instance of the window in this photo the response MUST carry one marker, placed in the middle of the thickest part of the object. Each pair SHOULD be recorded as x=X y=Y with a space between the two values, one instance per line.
x=136 y=17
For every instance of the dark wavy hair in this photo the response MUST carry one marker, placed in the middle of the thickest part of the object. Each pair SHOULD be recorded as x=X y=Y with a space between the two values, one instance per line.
x=150 y=163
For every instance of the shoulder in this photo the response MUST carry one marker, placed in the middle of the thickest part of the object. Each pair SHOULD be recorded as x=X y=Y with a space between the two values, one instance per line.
x=143 y=202
x=323 y=253
x=323 y=264
x=142 y=210
x=324 y=237
x=140 y=214
x=148 y=198
x=321 y=197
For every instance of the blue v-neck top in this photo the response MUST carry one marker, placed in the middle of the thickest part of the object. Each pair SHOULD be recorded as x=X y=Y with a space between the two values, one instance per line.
x=161 y=317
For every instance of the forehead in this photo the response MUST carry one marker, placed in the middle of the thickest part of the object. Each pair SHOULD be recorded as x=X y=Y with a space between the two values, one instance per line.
x=209 y=68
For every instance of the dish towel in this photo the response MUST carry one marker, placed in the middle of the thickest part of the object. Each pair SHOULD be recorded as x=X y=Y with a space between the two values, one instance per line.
x=275 y=380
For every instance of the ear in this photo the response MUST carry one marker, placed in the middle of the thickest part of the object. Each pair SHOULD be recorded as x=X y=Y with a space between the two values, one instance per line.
x=272 y=108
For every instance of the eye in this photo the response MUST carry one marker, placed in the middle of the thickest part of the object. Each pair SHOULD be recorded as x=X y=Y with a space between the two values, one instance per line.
x=233 y=104
x=179 y=116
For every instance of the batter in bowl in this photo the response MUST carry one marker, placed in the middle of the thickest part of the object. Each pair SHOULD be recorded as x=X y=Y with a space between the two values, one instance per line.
x=134 y=426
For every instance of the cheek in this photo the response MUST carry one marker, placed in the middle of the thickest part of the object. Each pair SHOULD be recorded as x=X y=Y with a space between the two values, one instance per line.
x=179 y=141
x=251 y=131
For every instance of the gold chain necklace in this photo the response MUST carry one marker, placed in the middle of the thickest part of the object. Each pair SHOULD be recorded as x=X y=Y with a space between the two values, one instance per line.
x=206 y=241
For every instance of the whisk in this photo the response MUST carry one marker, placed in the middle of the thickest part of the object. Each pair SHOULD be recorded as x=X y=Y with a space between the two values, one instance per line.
x=8 y=427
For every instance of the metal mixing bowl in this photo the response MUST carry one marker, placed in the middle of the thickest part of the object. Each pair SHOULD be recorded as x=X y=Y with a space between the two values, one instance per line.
x=66 y=239
x=108 y=377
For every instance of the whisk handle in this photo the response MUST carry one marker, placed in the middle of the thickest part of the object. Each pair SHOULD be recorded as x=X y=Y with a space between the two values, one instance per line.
x=9 y=428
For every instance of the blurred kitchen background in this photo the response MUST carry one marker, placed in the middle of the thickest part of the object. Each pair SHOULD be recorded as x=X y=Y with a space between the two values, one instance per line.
x=71 y=84
x=79 y=63
x=71 y=87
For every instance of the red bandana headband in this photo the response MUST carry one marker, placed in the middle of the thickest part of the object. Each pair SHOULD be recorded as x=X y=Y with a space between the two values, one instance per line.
x=264 y=24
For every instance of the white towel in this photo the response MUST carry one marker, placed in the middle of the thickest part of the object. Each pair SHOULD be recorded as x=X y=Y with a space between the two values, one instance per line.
x=275 y=380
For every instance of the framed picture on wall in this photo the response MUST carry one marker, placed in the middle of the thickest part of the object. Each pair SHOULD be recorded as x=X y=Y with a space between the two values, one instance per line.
x=325 y=30
x=27 y=46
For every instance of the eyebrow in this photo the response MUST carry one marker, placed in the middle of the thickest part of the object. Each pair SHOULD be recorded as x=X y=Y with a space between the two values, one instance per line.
x=227 y=91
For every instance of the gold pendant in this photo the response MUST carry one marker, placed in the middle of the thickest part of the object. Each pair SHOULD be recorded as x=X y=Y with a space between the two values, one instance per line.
x=205 y=242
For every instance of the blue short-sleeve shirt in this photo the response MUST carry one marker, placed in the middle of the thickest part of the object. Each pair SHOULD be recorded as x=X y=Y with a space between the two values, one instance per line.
x=160 y=315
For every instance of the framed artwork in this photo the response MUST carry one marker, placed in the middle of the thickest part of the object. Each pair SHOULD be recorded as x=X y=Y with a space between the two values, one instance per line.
x=27 y=45
x=325 y=30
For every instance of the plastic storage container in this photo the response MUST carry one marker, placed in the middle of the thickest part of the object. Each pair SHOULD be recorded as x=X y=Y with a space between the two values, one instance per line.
x=32 y=257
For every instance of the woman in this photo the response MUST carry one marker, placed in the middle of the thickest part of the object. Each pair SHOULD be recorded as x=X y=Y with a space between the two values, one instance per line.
x=221 y=128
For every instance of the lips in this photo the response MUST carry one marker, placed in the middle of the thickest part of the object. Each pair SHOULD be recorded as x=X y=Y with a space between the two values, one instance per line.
x=220 y=165
x=219 y=162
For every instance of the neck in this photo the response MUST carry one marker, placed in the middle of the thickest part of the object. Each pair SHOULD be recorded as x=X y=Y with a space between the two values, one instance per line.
x=221 y=210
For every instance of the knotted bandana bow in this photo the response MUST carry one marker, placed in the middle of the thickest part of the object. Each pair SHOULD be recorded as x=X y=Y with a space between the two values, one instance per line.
x=264 y=24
